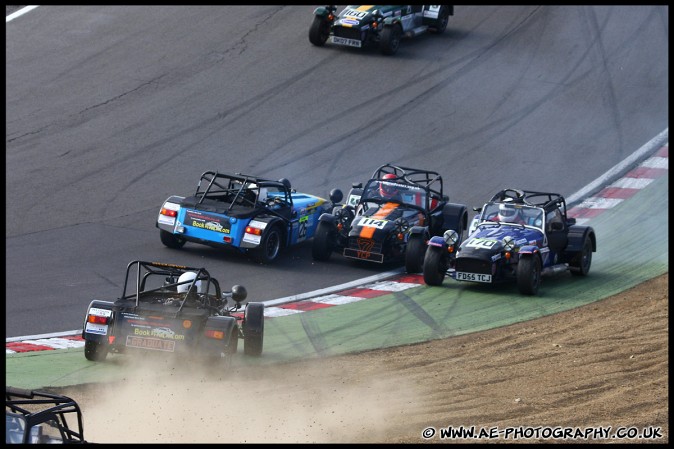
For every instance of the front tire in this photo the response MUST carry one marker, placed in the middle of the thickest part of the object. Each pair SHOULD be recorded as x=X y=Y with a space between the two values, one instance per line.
x=95 y=351
x=583 y=260
x=529 y=275
x=319 y=32
x=414 y=255
x=435 y=266
x=390 y=39
x=324 y=241
x=171 y=240
x=270 y=246
x=253 y=329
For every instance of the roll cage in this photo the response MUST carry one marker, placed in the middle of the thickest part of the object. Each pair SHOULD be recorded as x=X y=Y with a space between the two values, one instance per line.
x=155 y=280
x=40 y=417
x=548 y=201
x=552 y=204
x=429 y=182
x=240 y=190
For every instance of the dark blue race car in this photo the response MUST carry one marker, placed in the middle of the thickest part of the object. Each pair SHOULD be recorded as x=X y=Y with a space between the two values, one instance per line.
x=518 y=235
x=251 y=214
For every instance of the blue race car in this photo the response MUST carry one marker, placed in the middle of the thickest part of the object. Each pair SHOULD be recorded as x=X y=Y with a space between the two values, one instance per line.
x=251 y=214
x=518 y=235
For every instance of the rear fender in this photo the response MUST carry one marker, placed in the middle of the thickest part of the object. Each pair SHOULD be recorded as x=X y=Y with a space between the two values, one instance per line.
x=98 y=321
x=266 y=223
x=455 y=216
x=328 y=218
x=217 y=335
x=576 y=238
x=167 y=223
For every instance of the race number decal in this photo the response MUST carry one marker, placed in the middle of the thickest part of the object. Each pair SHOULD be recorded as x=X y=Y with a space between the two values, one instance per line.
x=302 y=234
x=481 y=243
x=372 y=223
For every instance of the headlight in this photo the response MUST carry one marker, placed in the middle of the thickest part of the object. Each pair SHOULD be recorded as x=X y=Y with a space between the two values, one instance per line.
x=451 y=237
x=508 y=243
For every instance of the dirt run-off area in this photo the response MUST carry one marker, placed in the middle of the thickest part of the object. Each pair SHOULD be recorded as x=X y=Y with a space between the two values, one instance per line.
x=583 y=371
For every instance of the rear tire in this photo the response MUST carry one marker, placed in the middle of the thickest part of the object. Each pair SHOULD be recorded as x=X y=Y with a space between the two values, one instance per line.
x=414 y=255
x=253 y=329
x=171 y=240
x=390 y=39
x=324 y=241
x=95 y=351
x=270 y=245
x=529 y=275
x=435 y=266
x=319 y=32
x=583 y=260
x=441 y=24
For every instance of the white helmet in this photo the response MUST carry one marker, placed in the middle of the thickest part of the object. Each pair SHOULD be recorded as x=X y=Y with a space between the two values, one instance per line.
x=188 y=277
x=506 y=212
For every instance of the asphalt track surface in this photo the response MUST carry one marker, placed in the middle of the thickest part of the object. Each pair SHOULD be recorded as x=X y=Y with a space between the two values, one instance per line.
x=411 y=312
x=112 y=109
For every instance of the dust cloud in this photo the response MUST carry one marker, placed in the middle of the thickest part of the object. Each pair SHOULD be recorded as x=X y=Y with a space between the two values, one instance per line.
x=164 y=401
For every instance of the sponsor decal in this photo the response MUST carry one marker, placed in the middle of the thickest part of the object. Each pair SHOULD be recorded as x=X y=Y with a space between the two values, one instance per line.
x=364 y=248
x=163 y=219
x=95 y=311
x=257 y=224
x=205 y=221
x=99 y=329
x=159 y=332
x=350 y=22
x=150 y=343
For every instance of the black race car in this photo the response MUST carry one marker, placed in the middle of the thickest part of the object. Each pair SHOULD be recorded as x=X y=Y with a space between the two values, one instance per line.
x=390 y=219
x=41 y=417
x=382 y=25
x=518 y=235
x=166 y=308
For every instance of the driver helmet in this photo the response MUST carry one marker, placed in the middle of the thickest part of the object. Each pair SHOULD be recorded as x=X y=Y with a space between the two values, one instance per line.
x=507 y=212
x=387 y=190
x=188 y=277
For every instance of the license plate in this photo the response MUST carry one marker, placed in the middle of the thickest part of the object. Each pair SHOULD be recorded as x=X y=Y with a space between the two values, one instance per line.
x=154 y=344
x=473 y=277
x=345 y=41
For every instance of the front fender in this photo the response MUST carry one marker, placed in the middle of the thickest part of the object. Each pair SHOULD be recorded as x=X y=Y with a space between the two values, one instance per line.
x=322 y=11
x=437 y=241
x=328 y=218
x=529 y=249
x=421 y=230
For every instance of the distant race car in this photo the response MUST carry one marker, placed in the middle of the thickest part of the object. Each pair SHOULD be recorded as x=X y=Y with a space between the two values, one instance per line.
x=250 y=214
x=518 y=235
x=390 y=219
x=41 y=417
x=381 y=25
x=173 y=309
